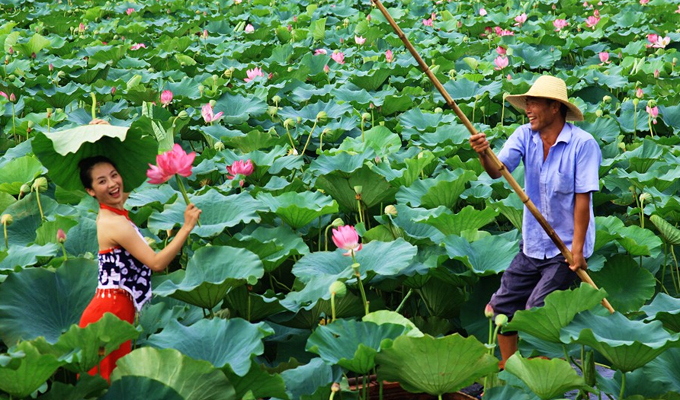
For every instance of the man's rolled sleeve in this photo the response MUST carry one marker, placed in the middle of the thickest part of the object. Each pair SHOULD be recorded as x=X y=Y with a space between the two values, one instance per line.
x=586 y=176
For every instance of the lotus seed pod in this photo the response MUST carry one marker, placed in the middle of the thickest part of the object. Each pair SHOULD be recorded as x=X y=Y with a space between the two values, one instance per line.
x=645 y=197
x=183 y=115
x=228 y=73
x=391 y=210
x=651 y=103
x=358 y=189
x=219 y=146
x=501 y=320
x=598 y=113
x=337 y=223
x=335 y=387
x=24 y=189
x=276 y=99
x=338 y=288
x=355 y=267
x=321 y=116
x=636 y=102
x=212 y=103
x=607 y=99
x=272 y=111
x=438 y=110
x=289 y=123
x=298 y=119
x=7 y=219
x=49 y=113
x=40 y=184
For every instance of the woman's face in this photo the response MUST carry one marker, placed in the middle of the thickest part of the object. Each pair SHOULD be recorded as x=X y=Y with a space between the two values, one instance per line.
x=107 y=184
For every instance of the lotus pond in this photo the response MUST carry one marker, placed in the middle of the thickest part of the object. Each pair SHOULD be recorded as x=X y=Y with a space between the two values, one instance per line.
x=339 y=123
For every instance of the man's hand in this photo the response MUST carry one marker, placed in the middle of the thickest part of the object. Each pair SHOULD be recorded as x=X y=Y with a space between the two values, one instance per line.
x=479 y=143
x=579 y=262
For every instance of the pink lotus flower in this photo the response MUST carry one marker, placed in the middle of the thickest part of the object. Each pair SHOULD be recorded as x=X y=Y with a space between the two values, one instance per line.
x=503 y=32
x=237 y=2
x=592 y=21
x=204 y=35
x=653 y=113
x=207 y=113
x=81 y=28
x=129 y=11
x=482 y=12
x=138 y=46
x=639 y=93
x=678 y=10
x=320 y=51
x=3 y=94
x=656 y=75
x=501 y=51
x=338 y=57
x=520 y=19
x=604 y=57
x=427 y=22
x=652 y=38
x=249 y=29
x=359 y=40
x=347 y=238
x=662 y=42
x=488 y=311
x=166 y=98
x=113 y=90
x=253 y=73
x=13 y=98
x=501 y=62
x=560 y=24
x=389 y=56
x=326 y=68
x=643 y=2
x=175 y=161
x=240 y=168
x=61 y=235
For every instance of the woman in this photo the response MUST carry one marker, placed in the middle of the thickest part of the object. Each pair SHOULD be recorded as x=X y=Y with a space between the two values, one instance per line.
x=125 y=259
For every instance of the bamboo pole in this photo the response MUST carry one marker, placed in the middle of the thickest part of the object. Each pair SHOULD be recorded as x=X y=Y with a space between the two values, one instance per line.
x=490 y=154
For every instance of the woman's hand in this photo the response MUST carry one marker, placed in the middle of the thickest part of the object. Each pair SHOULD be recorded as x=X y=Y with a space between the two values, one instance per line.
x=98 y=121
x=191 y=215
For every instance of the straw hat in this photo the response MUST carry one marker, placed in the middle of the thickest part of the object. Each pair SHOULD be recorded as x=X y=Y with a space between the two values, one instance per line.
x=548 y=87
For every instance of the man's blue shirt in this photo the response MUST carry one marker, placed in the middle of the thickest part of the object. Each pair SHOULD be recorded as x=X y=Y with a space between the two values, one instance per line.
x=571 y=167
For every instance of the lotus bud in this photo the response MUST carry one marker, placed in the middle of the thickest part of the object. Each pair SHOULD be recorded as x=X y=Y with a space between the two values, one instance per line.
x=488 y=311
x=61 y=74
x=12 y=98
x=377 y=159
x=337 y=223
x=49 y=113
x=214 y=78
x=358 y=189
x=40 y=184
x=7 y=219
x=607 y=99
x=438 y=110
x=651 y=103
x=636 y=102
x=501 y=320
x=50 y=67
x=321 y=116
x=335 y=387
x=219 y=146
x=391 y=210
x=645 y=197
x=338 y=288
x=289 y=123
x=598 y=113
x=272 y=111
x=345 y=22
x=24 y=189
x=61 y=236
x=228 y=73
x=201 y=88
x=183 y=115
x=276 y=99
x=212 y=103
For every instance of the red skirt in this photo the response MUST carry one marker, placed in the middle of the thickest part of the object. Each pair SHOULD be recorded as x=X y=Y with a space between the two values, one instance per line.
x=119 y=303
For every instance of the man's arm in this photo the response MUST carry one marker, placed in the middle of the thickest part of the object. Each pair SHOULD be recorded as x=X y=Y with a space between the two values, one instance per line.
x=581 y=220
x=480 y=144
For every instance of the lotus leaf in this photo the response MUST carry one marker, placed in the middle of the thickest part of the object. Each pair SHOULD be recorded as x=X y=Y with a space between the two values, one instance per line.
x=27 y=218
x=476 y=256
x=38 y=302
x=666 y=309
x=339 y=185
x=352 y=344
x=306 y=379
x=466 y=219
x=546 y=378
x=299 y=209
x=272 y=245
x=559 y=310
x=406 y=220
x=231 y=342
x=444 y=190
x=628 y=286
x=258 y=381
x=627 y=344
x=436 y=365
x=86 y=387
x=21 y=257
x=507 y=392
x=191 y=379
x=141 y=388
x=25 y=369
x=670 y=233
x=17 y=172
x=390 y=317
x=251 y=306
x=211 y=272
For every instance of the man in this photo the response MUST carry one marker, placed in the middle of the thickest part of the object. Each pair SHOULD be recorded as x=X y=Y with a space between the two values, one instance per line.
x=561 y=164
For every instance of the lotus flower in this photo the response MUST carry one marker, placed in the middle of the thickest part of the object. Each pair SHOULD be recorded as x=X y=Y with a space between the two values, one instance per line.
x=253 y=73
x=320 y=51
x=81 y=27
x=3 y=94
x=652 y=38
x=138 y=46
x=656 y=75
x=338 y=57
x=13 y=98
x=61 y=235
x=520 y=19
x=501 y=62
x=678 y=10
x=592 y=21
x=129 y=11
x=639 y=93
x=207 y=113
x=662 y=42
x=175 y=161
x=503 y=32
x=482 y=12
x=604 y=57
x=347 y=238
x=560 y=24
x=427 y=22
x=389 y=56
x=360 y=40
x=643 y=2
x=240 y=168
x=326 y=68
x=501 y=51
x=166 y=98
x=249 y=28
x=653 y=113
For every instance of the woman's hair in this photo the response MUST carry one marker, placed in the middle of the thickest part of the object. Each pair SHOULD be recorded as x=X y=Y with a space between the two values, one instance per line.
x=87 y=164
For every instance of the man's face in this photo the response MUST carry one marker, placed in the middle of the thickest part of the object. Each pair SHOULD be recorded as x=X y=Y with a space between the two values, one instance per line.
x=541 y=112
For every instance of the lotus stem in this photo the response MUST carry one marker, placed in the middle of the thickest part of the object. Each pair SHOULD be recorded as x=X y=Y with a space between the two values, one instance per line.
x=357 y=273
x=14 y=125
x=309 y=137
x=63 y=249
x=623 y=385
x=332 y=307
x=4 y=228
x=403 y=302
x=677 y=270
x=634 y=118
x=94 y=105
x=183 y=190
x=325 y=238
x=37 y=196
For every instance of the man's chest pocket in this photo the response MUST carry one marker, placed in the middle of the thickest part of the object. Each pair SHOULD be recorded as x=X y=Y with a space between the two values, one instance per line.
x=564 y=183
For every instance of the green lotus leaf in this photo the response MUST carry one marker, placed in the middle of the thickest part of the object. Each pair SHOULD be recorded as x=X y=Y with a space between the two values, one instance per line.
x=666 y=309
x=210 y=273
x=627 y=344
x=27 y=218
x=151 y=195
x=141 y=388
x=88 y=386
x=343 y=162
x=444 y=190
x=272 y=245
x=435 y=365
x=219 y=212
x=299 y=209
x=379 y=138
x=476 y=255
x=415 y=118
x=405 y=177
x=512 y=208
x=631 y=120
x=47 y=233
x=628 y=286
x=320 y=269
x=21 y=257
x=234 y=342
x=82 y=238
x=192 y=379
x=62 y=96
x=352 y=344
x=661 y=373
x=17 y=172
x=309 y=112
x=38 y=302
x=671 y=116
x=466 y=219
x=670 y=233
x=390 y=317
x=406 y=220
x=238 y=109
x=25 y=369
x=258 y=381
x=546 y=378
x=340 y=186
x=559 y=310
x=507 y=392
x=607 y=129
x=463 y=89
x=251 y=306
x=81 y=348
x=370 y=80
x=307 y=379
